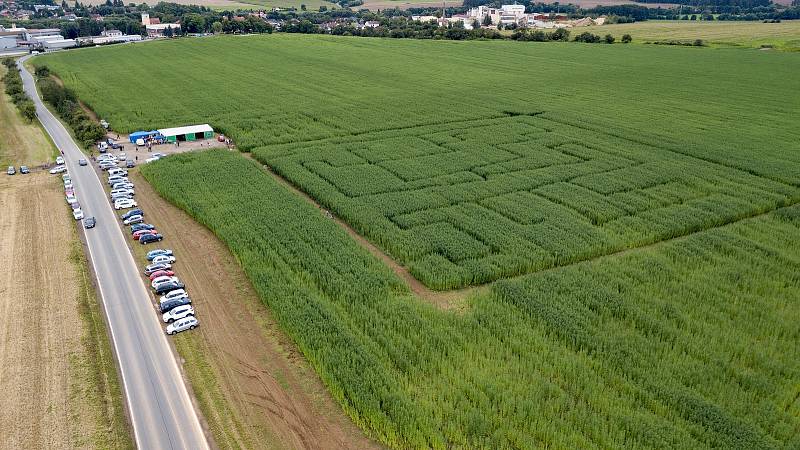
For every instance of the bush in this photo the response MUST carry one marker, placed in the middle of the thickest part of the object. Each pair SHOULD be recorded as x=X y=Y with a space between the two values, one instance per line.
x=609 y=39
x=66 y=104
x=587 y=37
x=626 y=39
x=698 y=43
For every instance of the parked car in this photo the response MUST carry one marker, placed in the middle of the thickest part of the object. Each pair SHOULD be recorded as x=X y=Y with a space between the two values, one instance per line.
x=59 y=160
x=116 y=197
x=71 y=199
x=116 y=179
x=125 y=203
x=164 y=258
x=105 y=157
x=154 y=158
x=142 y=226
x=152 y=268
x=148 y=238
x=66 y=177
x=122 y=185
x=89 y=222
x=117 y=171
x=83 y=162
x=173 y=295
x=102 y=146
x=122 y=191
x=76 y=205
x=129 y=163
x=174 y=303
x=77 y=214
x=161 y=273
x=187 y=323
x=132 y=220
x=159 y=251
x=133 y=212
x=11 y=170
x=163 y=280
x=177 y=313
x=58 y=169
x=24 y=170
x=140 y=142
x=122 y=157
x=163 y=288
x=138 y=234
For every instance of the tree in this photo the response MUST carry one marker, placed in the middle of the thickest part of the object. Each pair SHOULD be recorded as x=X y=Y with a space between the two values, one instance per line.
x=476 y=24
x=561 y=34
x=217 y=27
x=609 y=39
x=487 y=20
x=28 y=110
x=168 y=32
x=42 y=72
x=626 y=39
x=303 y=7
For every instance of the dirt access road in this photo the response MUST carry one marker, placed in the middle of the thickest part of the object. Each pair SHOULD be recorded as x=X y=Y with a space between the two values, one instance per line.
x=57 y=375
x=254 y=388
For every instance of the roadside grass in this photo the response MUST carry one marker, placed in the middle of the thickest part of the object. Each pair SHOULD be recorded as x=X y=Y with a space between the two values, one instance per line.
x=21 y=143
x=725 y=34
x=98 y=368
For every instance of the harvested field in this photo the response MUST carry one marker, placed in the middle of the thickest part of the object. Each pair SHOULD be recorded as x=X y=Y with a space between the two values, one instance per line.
x=21 y=143
x=782 y=36
x=57 y=373
x=253 y=386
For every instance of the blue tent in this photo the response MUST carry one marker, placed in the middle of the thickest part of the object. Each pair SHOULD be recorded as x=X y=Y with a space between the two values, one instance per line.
x=142 y=135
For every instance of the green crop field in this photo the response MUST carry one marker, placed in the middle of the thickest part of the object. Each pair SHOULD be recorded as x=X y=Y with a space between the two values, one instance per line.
x=635 y=208
x=690 y=344
x=470 y=162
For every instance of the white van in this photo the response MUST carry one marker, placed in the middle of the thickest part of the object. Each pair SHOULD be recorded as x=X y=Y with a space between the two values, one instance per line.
x=140 y=142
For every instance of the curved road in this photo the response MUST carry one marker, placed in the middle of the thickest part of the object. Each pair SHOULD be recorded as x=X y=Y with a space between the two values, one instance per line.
x=159 y=405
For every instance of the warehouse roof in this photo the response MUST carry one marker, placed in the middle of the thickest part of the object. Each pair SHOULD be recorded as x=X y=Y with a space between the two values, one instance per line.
x=186 y=130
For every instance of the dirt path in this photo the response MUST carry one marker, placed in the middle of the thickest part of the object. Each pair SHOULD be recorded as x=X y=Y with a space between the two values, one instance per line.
x=448 y=300
x=50 y=399
x=253 y=386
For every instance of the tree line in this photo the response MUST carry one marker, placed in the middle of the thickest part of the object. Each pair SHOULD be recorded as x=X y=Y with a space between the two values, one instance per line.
x=13 y=83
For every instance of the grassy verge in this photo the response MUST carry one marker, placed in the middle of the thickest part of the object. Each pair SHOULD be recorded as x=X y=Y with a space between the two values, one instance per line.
x=21 y=142
x=98 y=367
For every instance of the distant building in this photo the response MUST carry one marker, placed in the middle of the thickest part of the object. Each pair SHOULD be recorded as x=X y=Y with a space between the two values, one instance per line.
x=157 y=30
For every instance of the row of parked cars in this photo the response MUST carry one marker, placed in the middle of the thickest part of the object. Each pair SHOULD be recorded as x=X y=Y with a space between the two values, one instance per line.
x=22 y=169
x=174 y=302
x=72 y=200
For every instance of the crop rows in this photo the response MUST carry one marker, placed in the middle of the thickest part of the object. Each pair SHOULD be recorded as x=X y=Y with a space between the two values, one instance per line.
x=488 y=199
x=691 y=344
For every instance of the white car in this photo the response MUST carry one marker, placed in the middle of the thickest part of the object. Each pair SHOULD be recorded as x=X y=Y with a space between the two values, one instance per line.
x=117 y=179
x=177 y=313
x=163 y=279
x=105 y=157
x=125 y=203
x=164 y=259
x=65 y=177
x=58 y=169
x=121 y=191
x=172 y=295
x=122 y=185
x=122 y=157
x=140 y=142
x=154 y=158
x=187 y=323
x=59 y=160
x=118 y=171
x=77 y=214
x=71 y=199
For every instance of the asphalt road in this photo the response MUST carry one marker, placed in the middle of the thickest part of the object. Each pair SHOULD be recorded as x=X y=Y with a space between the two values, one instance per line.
x=160 y=408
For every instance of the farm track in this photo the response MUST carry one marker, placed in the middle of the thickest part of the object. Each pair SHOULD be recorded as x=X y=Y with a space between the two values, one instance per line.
x=447 y=300
x=274 y=396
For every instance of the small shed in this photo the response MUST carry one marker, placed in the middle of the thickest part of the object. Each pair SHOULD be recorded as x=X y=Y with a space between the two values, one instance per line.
x=142 y=135
x=189 y=133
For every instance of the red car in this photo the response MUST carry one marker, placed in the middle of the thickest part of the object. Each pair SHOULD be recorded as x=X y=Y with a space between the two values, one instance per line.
x=161 y=273
x=138 y=234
